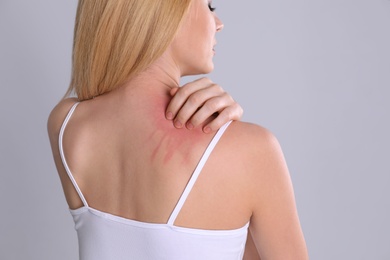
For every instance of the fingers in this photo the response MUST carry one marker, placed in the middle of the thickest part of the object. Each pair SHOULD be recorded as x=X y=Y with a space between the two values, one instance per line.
x=233 y=112
x=194 y=104
x=201 y=105
x=182 y=94
x=214 y=104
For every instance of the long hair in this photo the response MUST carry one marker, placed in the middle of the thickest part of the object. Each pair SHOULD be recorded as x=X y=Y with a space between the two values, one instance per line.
x=116 y=39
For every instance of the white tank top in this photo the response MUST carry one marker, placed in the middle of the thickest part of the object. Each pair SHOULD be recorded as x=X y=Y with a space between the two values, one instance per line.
x=103 y=236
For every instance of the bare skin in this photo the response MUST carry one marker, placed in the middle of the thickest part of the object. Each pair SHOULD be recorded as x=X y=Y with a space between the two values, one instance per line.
x=139 y=172
x=131 y=162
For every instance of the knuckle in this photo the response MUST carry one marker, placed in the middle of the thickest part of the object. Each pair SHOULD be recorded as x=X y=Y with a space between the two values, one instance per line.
x=228 y=97
x=236 y=112
x=220 y=89
x=213 y=105
x=178 y=95
x=221 y=102
x=238 y=107
x=194 y=100
x=184 y=92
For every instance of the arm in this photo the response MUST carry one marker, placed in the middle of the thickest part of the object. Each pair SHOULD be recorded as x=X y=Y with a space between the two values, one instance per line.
x=275 y=225
x=196 y=101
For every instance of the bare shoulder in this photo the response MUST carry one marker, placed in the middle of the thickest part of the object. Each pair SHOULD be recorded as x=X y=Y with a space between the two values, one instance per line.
x=259 y=157
x=54 y=124
x=57 y=117
x=275 y=225
x=259 y=146
x=254 y=139
x=254 y=152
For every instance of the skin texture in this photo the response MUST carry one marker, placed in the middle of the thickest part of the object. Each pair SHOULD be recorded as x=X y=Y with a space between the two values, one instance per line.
x=131 y=162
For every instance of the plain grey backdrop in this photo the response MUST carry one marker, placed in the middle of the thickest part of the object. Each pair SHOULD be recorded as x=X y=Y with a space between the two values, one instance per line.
x=316 y=73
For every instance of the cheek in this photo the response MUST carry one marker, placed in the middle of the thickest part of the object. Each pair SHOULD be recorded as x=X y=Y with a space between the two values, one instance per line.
x=206 y=29
x=193 y=45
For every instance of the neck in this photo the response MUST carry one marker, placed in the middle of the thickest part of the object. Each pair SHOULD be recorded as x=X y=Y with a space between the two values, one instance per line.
x=163 y=74
x=149 y=91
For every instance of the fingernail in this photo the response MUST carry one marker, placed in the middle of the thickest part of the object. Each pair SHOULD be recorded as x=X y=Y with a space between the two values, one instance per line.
x=207 y=130
x=178 y=124
x=169 y=115
x=190 y=126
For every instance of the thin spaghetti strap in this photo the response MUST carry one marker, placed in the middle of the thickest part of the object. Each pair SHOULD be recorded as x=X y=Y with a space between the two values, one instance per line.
x=196 y=173
x=63 y=155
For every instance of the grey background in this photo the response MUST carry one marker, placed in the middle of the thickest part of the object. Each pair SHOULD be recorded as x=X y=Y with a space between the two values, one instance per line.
x=316 y=73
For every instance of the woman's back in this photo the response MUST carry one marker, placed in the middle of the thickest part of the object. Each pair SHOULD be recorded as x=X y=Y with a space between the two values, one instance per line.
x=135 y=164
x=132 y=165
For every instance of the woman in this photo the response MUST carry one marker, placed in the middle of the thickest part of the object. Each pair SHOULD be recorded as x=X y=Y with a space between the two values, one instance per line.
x=137 y=187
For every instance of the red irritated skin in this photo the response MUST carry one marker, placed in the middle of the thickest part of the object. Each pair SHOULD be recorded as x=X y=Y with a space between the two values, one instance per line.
x=168 y=141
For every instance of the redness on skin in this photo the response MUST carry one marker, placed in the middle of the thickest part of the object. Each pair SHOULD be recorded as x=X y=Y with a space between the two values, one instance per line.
x=167 y=140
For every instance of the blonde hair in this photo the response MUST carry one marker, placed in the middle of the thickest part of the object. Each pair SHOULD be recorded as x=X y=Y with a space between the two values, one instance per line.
x=116 y=39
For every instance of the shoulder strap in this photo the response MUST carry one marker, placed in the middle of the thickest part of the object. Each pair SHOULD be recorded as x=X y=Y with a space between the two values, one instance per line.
x=63 y=155
x=196 y=173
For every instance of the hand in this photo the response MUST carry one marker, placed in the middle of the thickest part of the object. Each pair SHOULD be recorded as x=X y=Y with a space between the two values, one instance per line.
x=196 y=101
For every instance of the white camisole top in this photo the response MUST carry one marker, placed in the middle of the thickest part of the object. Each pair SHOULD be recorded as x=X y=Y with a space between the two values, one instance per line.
x=103 y=236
